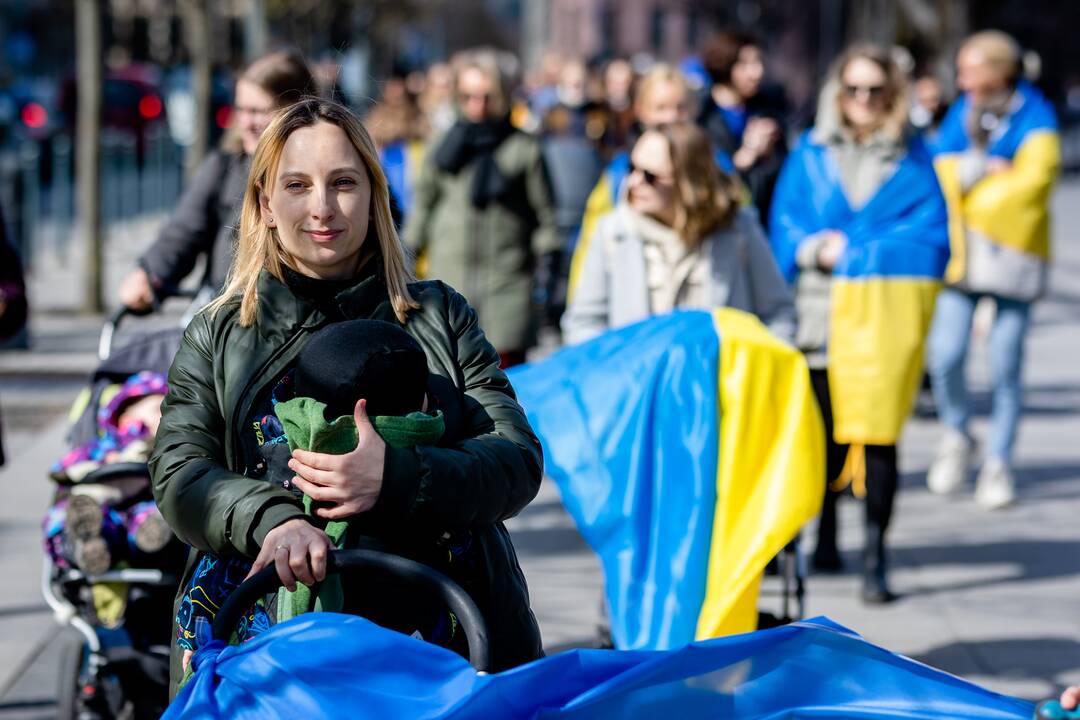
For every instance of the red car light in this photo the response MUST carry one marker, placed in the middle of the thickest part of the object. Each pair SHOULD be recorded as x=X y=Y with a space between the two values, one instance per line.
x=34 y=116
x=223 y=116
x=150 y=107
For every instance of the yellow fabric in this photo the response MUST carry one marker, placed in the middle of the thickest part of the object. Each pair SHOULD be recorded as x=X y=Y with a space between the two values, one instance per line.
x=877 y=331
x=1011 y=208
x=853 y=473
x=597 y=206
x=110 y=600
x=771 y=467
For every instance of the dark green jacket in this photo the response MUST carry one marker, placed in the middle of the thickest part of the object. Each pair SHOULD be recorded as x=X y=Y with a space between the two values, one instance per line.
x=486 y=469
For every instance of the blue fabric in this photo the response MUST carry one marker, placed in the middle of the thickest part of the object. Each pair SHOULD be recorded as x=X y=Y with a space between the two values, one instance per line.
x=901 y=231
x=1034 y=113
x=394 y=159
x=735 y=119
x=328 y=666
x=642 y=444
x=948 y=355
x=618 y=169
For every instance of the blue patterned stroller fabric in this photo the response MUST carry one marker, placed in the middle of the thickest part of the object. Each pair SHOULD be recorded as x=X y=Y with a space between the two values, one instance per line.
x=327 y=665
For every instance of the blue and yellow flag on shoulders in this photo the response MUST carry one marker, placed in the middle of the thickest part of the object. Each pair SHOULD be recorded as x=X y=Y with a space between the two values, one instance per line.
x=1010 y=208
x=689 y=450
x=884 y=286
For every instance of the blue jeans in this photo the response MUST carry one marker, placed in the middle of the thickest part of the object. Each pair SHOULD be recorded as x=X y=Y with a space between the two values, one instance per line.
x=948 y=352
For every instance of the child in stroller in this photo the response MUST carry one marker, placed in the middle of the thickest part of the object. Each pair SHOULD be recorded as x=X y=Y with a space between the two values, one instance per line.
x=112 y=563
x=312 y=408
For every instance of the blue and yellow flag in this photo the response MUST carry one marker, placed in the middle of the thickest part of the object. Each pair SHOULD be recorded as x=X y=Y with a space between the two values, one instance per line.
x=884 y=286
x=326 y=666
x=689 y=450
x=1010 y=208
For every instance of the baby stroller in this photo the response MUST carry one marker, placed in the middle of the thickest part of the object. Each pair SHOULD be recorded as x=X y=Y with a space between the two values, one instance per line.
x=114 y=664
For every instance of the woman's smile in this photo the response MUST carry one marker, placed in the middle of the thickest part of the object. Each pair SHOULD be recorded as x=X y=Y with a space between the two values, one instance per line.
x=324 y=236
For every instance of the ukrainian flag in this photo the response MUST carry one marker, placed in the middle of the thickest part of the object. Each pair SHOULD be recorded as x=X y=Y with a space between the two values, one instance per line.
x=1010 y=208
x=689 y=451
x=884 y=286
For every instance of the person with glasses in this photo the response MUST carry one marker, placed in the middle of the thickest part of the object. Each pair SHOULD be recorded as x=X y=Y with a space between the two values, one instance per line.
x=859 y=227
x=998 y=156
x=204 y=221
x=483 y=211
x=678 y=237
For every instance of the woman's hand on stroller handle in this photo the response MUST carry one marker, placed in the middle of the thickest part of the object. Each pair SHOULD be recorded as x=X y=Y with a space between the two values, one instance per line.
x=298 y=550
x=351 y=483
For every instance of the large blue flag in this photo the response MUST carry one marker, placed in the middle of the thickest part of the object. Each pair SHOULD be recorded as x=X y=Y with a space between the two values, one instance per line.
x=689 y=450
x=326 y=666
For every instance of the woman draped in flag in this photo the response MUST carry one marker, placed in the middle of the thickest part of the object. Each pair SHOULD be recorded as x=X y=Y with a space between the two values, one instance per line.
x=859 y=226
x=997 y=154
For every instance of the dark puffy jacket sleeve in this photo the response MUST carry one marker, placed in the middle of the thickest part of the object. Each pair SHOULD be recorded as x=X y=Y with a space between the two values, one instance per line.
x=488 y=476
x=207 y=505
x=192 y=227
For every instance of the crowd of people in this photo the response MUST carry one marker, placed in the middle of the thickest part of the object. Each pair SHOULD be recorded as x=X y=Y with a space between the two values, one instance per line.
x=587 y=198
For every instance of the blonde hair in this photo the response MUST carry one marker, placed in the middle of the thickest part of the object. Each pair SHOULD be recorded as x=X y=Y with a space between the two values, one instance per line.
x=706 y=198
x=259 y=246
x=999 y=51
x=661 y=74
x=896 y=86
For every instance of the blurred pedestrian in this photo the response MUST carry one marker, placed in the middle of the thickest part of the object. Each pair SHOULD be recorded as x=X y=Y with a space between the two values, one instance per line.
x=571 y=136
x=678 y=238
x=743 y=116
x=483 y=210
x=206 y=215
x=13 y=305
x=399 y=128
x=437 y=100
x=618 y=87
x=859 y=225
x=998 y=156
x=928 y=106
x=663 y=96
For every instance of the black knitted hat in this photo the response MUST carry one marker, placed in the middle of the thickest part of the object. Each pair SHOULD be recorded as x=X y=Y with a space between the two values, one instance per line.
x=369 y=359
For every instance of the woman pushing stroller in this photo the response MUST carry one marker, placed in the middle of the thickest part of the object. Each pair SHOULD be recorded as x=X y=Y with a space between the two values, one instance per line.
x=317 y=246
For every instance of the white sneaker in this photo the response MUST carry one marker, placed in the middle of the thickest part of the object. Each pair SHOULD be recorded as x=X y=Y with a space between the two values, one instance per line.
x=950 y=469
x=995 y=487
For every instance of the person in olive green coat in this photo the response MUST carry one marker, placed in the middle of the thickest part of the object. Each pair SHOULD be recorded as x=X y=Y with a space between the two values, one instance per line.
x=483 y=211
x=317 y=245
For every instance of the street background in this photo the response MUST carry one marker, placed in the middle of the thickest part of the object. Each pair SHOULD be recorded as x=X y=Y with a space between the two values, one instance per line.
x=991 y=597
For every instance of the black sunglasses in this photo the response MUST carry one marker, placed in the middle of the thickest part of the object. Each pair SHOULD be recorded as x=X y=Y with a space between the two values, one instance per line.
x=651 y=178
x=871 y=91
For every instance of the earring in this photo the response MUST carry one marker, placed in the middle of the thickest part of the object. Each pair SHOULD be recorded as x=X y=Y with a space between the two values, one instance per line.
x=269 y=221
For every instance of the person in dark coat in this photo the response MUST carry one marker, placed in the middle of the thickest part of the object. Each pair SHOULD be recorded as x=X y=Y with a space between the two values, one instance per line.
x=204 y=221
x=13 y=305
x=743 y=117
x=317 y=246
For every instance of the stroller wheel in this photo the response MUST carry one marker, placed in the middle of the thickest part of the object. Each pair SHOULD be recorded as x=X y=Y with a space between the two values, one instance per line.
x=69 y=695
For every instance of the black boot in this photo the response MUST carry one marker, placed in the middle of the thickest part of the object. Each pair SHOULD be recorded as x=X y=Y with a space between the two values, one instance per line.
x=826 y=557
x=875 y=589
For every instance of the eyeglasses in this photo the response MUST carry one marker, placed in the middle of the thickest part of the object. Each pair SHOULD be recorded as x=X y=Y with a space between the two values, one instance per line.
x=649 y=176
x=870 y=92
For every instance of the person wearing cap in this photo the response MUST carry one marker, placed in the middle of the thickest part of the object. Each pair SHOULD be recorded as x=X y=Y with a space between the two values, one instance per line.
x=317 y=246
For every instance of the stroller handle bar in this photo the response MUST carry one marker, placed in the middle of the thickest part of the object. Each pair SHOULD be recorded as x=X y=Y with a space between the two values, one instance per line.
x=456 y=599
x=122 y=312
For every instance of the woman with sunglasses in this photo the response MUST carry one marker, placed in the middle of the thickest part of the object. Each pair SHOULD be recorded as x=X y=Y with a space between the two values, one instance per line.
x=483 y=211
x=859 y=226
x=678 y=238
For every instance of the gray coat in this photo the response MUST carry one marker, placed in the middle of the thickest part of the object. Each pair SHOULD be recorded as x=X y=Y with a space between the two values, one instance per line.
x=612 y=289
x=203 y=224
